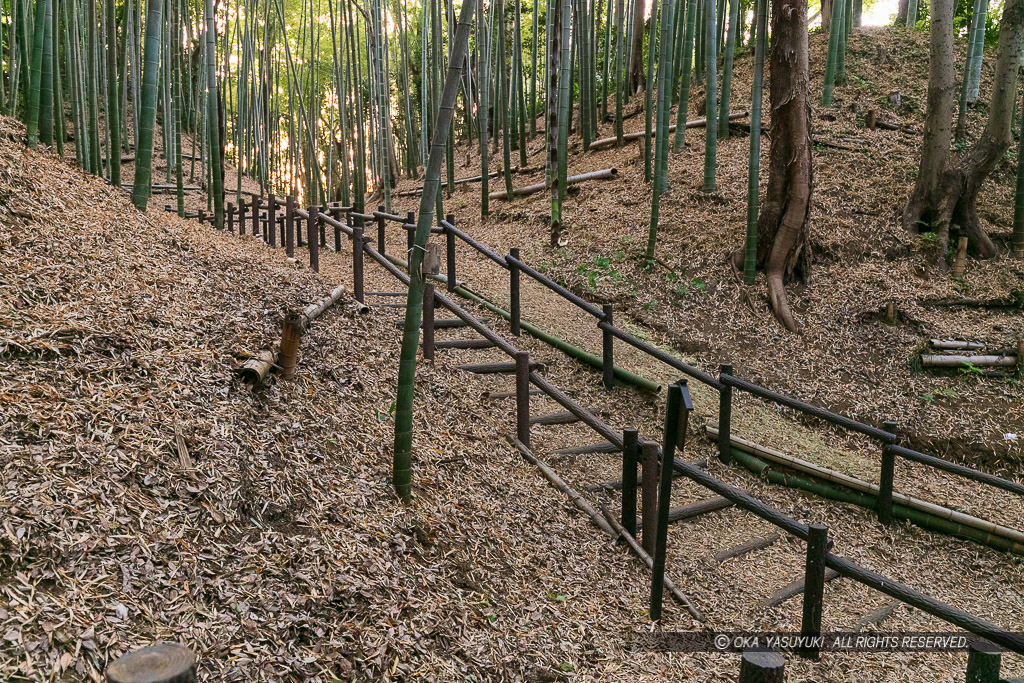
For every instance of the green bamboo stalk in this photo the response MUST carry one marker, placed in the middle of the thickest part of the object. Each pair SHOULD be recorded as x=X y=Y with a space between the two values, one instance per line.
x=483 y=31
x=711 y=129
x=216 y=168
x=754 y=169
x=534 y=40
x=503 y=114
x=46 y=80
x=35 y=74
x=730 y=50
x=92 y=65
x=841 y=57
x=664 y=100
x=834 y=40
x=113 y=96
x=978 y=52
x=564 y=111
x=147 y=116
x=649 y=93
x=684 y=94
x=620 y=85
x=912 y=14
x=402 y=465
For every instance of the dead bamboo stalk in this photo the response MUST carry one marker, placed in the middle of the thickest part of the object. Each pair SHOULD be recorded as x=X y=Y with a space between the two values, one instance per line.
x=956 y=344
x=574 y=497
x=291 y=333
x=846 y=480
x=960 y=262
x=258 y=367
x=696 y=123
x=647 y=560
x=929 y=360
x=571 y=180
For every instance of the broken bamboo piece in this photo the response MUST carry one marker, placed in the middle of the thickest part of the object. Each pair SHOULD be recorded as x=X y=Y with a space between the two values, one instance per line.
x=956 y=344
x=793 y=589
x=574 y=497
x=744 y=548
x=255 y=370
x=943 y=361
x=696 y=123
x=540 y=187
x=875 y=616
x=291 y=333
x=697 y=509
x=647 y=560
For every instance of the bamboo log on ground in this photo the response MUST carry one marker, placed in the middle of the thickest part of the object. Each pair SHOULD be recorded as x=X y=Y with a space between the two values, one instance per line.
x=472 y=179
x=574 y=497
x=744 y=548
x=640 y=134
x=647 y=560
x=944 y=361
x=255 y=370
x=875 y=616
x=793 y=589
x=956 y=344
x=571 y=180
x=864 y=493
x=701 y=507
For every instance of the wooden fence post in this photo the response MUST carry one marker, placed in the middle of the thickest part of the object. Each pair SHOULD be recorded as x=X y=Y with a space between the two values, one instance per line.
x=759 y=666
x=523 y=397
x=380 y=230
x=231 y=218
x=814 y=587
x=649 y=495
x=608 y=348
x=337 y=231
x=513 y=290
x=630 y=447
x=160 y=663
x=272 y=220
x=450 y=248
x=724 y=416
x=358 y=222
x=321 y=225
x=311 y=238
x=357 y=264
x=288 y=351
x=983 y=663
x=679 y=404
x=256 y=217
x=886 y=479
x=410 y=233
x=202 y=216
x=289 y=225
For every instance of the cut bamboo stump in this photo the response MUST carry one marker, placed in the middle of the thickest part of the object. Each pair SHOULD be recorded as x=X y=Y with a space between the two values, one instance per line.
x=160 y=663
x=960 y=262
x=291 y=333
x=540 y=187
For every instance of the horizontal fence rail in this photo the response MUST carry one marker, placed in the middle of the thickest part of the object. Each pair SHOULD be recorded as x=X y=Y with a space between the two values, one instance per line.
x=955 y=468
x=827 y=415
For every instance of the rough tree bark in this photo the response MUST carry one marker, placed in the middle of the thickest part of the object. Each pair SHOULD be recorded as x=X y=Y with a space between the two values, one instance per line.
x=946 y=192
x=636 y=53
x=783 y=244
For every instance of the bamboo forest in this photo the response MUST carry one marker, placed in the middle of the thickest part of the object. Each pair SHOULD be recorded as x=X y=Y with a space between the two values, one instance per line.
x=511 y=340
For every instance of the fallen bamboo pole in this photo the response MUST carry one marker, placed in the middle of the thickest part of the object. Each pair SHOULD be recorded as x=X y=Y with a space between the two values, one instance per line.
x=540 y=187
x=956 y=344
x=574 y=497
x=472 y=179
x=258 y=367
x=1013 y=539
x=943 y=361
x=647 y=560
x=696 y=123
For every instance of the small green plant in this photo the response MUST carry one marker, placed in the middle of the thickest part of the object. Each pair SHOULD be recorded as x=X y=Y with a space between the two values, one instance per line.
x=385 y=416
x=555 y=597
x=566 y=666
x=651 y=305
x=971 y=370
x=929 y=239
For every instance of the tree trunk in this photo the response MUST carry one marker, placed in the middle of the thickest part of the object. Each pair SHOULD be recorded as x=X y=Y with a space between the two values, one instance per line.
x=946 y=191
x=826 y=16
x=636 y=52
x=901 y=12
x=783 y=246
